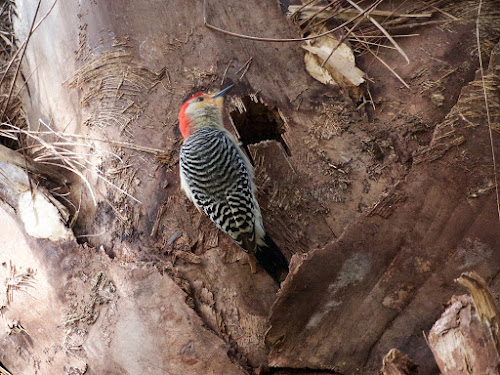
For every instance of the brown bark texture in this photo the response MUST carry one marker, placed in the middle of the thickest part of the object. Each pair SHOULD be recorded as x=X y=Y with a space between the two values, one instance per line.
x=379 y=208
x=465 y=339
x=397 y=363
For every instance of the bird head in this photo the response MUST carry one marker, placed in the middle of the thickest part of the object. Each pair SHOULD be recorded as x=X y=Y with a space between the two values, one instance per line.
x=201 y=110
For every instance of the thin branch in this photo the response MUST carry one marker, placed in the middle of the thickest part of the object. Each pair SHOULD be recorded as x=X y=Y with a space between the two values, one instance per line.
x=394 y=36
x=301 y=7
x=317 y=11
x=383 y=62
x=261 y=39
x=349 y=31
x=335 y=14
x=384 y=31
x=440 y=10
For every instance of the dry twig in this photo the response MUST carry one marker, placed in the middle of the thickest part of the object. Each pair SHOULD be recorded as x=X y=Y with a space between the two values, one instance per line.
x=282 y=40
x=384 y=31
x=384 y=63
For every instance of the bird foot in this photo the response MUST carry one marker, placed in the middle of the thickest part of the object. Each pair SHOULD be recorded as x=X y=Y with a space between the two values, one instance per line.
x=252 y=262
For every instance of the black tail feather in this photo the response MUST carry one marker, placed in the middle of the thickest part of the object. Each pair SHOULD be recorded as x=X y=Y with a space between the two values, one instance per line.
x=272 y=260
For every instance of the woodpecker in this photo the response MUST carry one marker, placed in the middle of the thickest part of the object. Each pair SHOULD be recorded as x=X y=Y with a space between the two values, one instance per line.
x=218 y=178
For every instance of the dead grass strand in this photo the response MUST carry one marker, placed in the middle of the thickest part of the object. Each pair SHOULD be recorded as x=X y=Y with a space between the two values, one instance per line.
x=486 y=104
x=379 y=26
x=385 y=64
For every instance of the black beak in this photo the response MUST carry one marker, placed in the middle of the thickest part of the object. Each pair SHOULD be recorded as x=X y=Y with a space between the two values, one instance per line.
x=223 y=92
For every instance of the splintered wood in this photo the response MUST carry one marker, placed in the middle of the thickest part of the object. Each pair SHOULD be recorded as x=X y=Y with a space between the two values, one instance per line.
x=465 y=339
x=397 y=363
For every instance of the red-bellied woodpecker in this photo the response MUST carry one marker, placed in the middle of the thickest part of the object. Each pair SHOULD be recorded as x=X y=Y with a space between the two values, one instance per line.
x=217 y=177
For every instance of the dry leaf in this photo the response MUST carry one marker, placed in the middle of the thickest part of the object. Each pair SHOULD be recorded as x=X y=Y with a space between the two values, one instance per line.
x=316 y=71
x=341 y=66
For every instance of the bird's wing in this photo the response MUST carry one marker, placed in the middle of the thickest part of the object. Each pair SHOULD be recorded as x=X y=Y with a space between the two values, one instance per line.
x=241 y=226
x=220 y=182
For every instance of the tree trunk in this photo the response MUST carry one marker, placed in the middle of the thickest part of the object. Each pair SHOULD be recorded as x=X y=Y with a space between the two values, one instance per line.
x=379 y=208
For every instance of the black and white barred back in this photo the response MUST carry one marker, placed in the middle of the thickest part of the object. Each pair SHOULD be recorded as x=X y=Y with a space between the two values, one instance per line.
x=218 y=178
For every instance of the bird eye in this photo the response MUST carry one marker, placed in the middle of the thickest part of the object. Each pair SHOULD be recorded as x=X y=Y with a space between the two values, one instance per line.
x=200 y=99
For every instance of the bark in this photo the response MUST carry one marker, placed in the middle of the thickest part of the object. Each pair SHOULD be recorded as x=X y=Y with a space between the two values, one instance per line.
x=382 y=281
x=70 y=309
x=396 y=363
x=465 y=339
x=378 y=209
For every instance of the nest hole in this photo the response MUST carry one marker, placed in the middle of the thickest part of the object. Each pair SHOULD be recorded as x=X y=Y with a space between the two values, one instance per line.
x=255 y=122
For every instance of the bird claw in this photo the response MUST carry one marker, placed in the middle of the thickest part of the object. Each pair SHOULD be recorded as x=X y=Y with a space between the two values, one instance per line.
x=252 y=262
